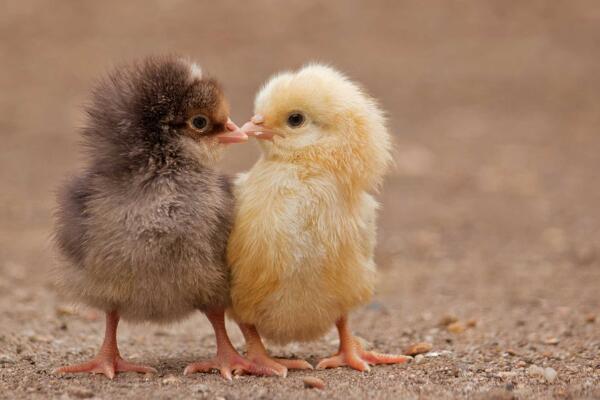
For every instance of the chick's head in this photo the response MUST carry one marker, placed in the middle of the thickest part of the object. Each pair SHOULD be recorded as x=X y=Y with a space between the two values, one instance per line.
x=160 y=107
x=318 y=117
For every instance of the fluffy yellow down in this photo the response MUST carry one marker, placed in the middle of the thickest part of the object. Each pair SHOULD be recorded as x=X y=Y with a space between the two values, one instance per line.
x=301 y=250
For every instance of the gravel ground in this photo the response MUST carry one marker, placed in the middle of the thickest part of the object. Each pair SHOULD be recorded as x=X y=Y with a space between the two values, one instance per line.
x=489 y=242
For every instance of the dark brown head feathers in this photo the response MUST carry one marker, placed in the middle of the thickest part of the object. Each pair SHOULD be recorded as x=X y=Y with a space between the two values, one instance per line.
x=142 y=109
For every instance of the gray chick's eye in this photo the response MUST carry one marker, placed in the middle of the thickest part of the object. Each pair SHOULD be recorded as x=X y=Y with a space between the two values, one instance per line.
x=295 y=120
x=199 y=122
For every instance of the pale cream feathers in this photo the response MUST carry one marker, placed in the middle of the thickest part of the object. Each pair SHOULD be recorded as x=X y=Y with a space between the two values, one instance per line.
x=301 y=250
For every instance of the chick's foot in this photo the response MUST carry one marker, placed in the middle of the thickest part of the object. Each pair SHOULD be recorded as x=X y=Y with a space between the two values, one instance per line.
x=107 y=365
x=108 y=361
x=257 y=354
x=227 y=361
x=228 y=364
x=352 y=354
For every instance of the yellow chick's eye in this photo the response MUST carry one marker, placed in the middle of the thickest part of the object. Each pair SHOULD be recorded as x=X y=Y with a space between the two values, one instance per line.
x=199 y=123
x=296 y=119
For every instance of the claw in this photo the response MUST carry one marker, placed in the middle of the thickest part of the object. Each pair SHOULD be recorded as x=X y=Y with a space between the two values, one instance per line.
x=341 y=360
x=380 y=358
x=197 y=367
x=294 y=363
x=226 y=373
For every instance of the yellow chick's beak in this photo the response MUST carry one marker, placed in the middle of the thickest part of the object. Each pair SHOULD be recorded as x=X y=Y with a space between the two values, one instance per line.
x=232 y=134
x=255 y=128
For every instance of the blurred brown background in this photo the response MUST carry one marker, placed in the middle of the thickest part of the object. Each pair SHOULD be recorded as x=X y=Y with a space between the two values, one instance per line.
x=491 y=211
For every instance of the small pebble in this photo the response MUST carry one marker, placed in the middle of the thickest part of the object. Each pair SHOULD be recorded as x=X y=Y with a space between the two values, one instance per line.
x=534 y=370
x=200 y=388
x=551 y=340
x=418 y=348
x=590 y=319
x=419 y=358
x=512 y=352
x=585 y=255
x=170 y=380
x=312 y=382
x=506 y=375
x=65 y=310
x=6 y=359
x=40 y=339
x=447 y=320
x=80 y=392
x=472 y=323
x=550 y=374
x=439 y=353
x=456 y=327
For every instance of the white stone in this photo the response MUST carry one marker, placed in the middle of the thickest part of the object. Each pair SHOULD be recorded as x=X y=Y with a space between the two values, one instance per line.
x=534 y=370
x=550 y=374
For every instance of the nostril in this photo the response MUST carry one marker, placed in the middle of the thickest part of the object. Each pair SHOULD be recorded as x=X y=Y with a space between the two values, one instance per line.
x=258 y=119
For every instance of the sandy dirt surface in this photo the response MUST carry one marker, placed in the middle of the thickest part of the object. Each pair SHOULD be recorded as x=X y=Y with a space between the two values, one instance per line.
x=490 y=214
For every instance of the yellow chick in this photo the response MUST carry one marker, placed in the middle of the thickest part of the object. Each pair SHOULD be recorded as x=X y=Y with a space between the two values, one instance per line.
x=301 y=249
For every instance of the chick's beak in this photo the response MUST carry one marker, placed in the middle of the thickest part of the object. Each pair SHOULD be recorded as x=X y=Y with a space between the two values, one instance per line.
x=255 y=127
x=232 y=134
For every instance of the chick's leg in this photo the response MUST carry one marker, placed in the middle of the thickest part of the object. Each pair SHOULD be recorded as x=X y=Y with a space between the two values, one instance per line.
x=108 y=361
x=352 y=354
x=227 y=360
x=256 y=352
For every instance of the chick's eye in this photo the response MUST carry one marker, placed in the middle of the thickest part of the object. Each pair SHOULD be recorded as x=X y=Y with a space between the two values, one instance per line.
x=199 y=122
x=295 y=120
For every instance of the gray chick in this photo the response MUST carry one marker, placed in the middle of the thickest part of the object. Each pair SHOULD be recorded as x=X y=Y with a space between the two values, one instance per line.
x=144 y=227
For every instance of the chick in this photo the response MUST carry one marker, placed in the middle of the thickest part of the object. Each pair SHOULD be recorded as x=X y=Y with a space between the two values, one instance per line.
x=143 y=228
x=301 y=249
